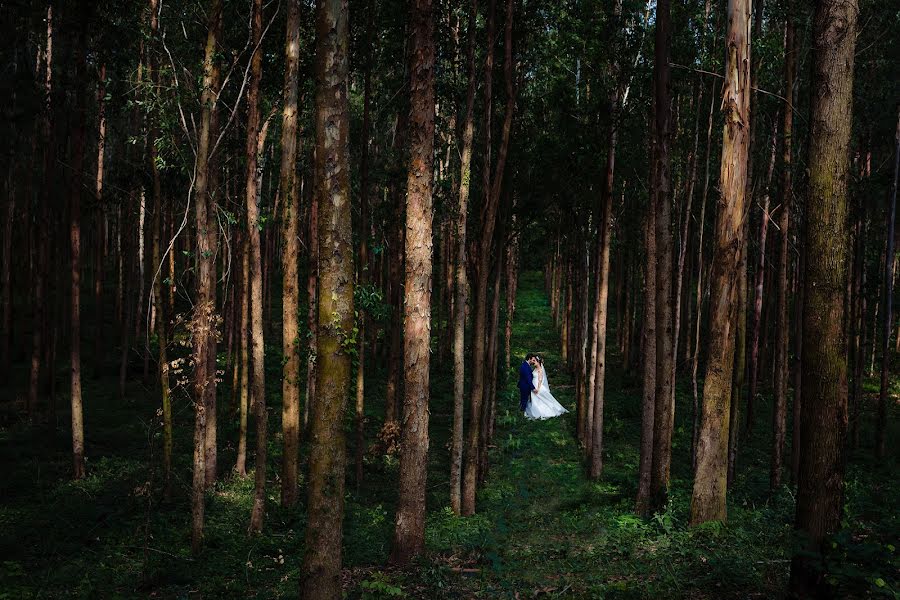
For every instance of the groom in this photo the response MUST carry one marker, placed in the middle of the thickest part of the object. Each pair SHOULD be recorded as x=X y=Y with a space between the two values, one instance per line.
x=526 y=385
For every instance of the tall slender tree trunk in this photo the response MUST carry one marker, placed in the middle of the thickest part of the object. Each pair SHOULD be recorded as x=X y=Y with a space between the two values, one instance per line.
x=459 y=305
x=240 y=467
x=648 y=360
x=39 y=272
x=257 y=348
x=710 y=479
x=482 y=269
x=782 y=325
x=398 y=234
x=100 y=217
x=157 y=264
x=204 y=308
x=701 y=227
x=321 y=571
x=492 y=189
x=881 y=419
x=312 y=318
x=758 y=322
x=605 y=233
x=409 y=534
x=75 y=189
x=290 y=386
x=363 y=264
x=824 y=420
x=663 y=421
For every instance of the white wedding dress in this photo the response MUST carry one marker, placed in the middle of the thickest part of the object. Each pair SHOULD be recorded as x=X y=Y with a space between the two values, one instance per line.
x=542 y=405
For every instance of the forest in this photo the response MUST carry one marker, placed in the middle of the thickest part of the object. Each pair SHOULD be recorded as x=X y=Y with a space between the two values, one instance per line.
x=268 y=270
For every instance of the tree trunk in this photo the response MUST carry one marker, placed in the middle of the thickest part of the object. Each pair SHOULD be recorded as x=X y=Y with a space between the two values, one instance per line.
x=362 y=271
x=100 y=228
x=701 y=226
x=881 y=420
x=204 y=308
x=397 y=230
x=240 y=467
x=648 y=360
x=409 y=534
x=663 y=420
x=758 y=322
x=257 y=349
x=159 y=305
x=824 y=421
x=290 y=387
x=782 y=325
x=483 y=259
x=76 y=183
x=459 y=305
x=312 y=318
x=710 y=479
x=321 y=572
x=605 y=243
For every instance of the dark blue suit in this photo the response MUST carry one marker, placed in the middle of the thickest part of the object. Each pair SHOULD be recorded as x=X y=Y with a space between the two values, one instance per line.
x=526 y=385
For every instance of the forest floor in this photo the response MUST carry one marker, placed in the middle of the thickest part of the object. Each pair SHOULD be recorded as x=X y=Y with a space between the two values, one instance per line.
x=542 y=528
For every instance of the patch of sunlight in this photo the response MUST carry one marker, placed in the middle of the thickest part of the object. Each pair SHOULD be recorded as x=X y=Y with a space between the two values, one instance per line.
x=559 y=439
x=606 y=488
x=629 y=521
x=498 y=490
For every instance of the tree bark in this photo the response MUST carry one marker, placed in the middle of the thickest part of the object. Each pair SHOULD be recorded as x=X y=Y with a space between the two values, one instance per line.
x=710 y=479
x=204 y=308
x=363 y=265
x=409 y=534
x=321 y=571
x=824 y=421
x=459 y=304
x=75 y=187
x=782 y=325
x=663 y=420
x=492 y=187
x=881 y=419
x=157 y=264
x=648 y=359
x=290 y=387
x=240 y=467
x=257 y=348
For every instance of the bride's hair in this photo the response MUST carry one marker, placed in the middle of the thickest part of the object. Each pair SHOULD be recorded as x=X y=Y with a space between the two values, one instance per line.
x=539 y=360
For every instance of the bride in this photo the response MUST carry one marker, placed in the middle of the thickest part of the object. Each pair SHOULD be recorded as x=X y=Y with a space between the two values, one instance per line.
x=542 y=404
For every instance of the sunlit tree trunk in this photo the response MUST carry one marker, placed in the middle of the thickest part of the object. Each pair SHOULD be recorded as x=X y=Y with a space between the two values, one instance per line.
x=76 y=182
x=710 y=478
x=257 y=348
x=204 y=307
x=459 y=305
x=240 y=467
x=409 y=534
x=824 y=417
x=157 y=262
x=321 y=571
x=290 y=386
x=492 y=186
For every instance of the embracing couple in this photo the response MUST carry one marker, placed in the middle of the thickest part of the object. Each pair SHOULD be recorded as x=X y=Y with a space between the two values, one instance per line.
x=535 y=399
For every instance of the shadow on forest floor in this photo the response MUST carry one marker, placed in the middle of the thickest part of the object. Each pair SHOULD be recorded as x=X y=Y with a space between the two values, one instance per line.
x=542 y=528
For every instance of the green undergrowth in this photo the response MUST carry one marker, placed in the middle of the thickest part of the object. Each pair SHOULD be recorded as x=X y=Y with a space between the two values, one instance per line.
x=542 y=528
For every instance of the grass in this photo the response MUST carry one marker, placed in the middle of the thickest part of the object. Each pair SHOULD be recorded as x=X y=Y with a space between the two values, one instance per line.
x=542 y=528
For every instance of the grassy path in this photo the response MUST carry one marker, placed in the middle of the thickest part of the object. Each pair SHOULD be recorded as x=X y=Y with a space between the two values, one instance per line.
x=548 y=530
